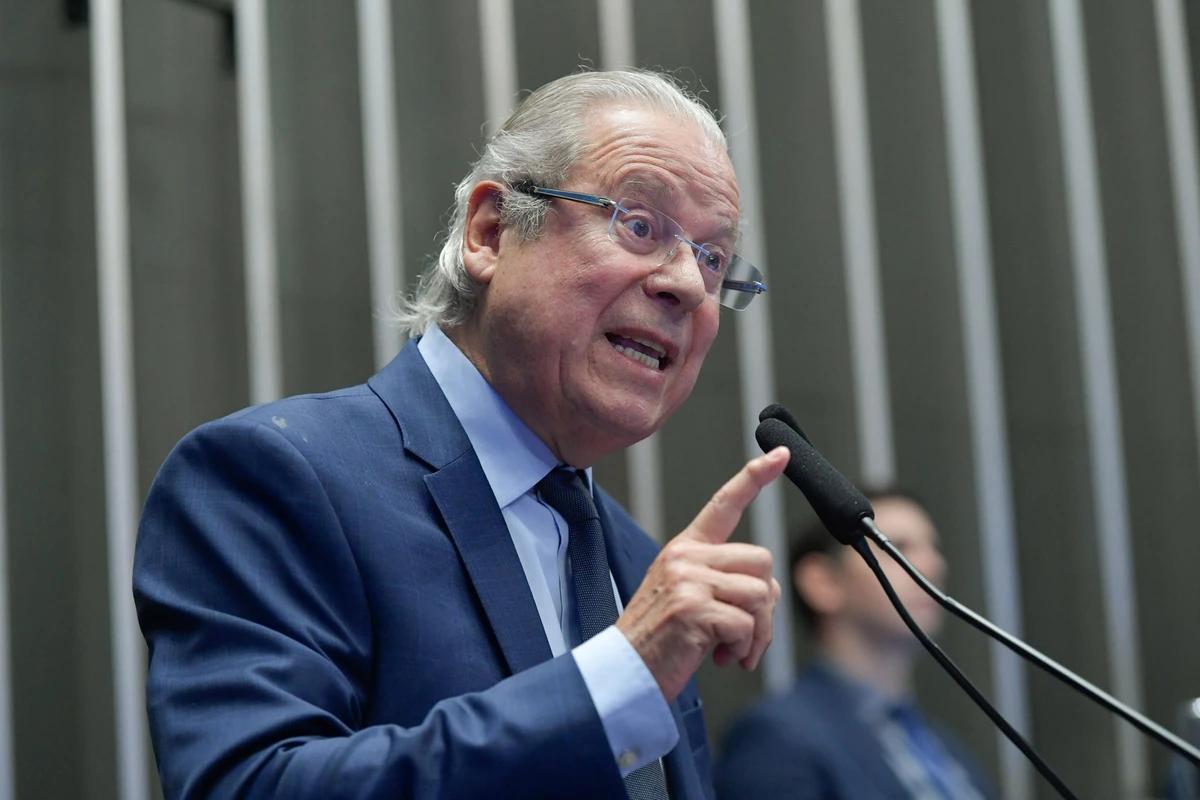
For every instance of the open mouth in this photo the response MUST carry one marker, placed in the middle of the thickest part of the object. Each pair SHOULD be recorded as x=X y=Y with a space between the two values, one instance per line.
x=644 y=352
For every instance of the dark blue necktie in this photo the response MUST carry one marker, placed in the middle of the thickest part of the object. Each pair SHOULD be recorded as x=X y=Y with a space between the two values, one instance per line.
x=929 y=752
x=595 y=605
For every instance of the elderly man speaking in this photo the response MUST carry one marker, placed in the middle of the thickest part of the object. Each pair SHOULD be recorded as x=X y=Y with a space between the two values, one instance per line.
x=411 y=588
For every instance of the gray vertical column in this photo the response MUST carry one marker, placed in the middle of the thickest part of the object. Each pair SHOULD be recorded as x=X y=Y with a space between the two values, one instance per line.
x=381 y=169
x=116 y=361
x=258 y=201
x=755 y=378
x=859 y=242
x=985 y=384
x=1181 y=143
x=1107 y=459
x=644 y=459
x=616 y=33
x=7 y=780
x=498 y=40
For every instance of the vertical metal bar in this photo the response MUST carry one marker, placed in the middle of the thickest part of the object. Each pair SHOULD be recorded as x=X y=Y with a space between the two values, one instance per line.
x=376 y=68
x=985 y=384
x=861 y=250
x=498 y=40
x=755 y=379
x=7 y=774
x=1181 y=143
x=258 y=202
x=644 y=459
x=1102 y=409
x=117 y=389
x=616 y=33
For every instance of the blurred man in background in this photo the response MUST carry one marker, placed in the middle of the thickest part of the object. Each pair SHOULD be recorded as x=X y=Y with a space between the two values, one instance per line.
x=410 y=588
x=849 y=729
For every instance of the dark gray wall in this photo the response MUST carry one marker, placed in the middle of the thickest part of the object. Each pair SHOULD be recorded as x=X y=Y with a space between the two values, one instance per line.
x=58 y=587
x=189 y=311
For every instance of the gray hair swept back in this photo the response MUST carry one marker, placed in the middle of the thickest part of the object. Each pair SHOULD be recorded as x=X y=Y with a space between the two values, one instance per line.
x=540 y=142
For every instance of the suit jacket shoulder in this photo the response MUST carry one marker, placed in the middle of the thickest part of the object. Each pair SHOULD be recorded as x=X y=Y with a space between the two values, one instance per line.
x=333 y=608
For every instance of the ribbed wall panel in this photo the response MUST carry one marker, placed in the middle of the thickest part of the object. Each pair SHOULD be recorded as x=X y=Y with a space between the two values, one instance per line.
x=1008 y=327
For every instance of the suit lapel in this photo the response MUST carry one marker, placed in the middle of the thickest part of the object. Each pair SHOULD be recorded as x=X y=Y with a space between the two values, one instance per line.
x=465 y=499
x=461 y=492
x=459 y=488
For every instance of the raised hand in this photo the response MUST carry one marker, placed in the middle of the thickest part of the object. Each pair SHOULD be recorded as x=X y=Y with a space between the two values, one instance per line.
x=704 y=593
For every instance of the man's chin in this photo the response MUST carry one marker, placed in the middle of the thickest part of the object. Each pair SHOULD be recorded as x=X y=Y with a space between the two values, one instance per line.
x=626 y=425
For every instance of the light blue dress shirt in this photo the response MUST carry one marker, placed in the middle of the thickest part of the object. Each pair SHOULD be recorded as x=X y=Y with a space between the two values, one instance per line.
x=635 y=715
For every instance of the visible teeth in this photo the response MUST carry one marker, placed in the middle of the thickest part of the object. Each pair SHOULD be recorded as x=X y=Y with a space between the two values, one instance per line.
x=651 y=345
x=641 y=358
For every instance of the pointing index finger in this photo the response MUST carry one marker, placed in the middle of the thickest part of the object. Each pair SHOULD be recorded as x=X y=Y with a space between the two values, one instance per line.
x=723 y=511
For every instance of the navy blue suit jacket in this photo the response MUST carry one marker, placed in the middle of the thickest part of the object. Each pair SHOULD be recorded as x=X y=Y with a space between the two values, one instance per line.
x=334 y=608
x=811 y=744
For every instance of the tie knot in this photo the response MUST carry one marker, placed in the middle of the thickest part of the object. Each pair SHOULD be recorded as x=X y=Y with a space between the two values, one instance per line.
x=567 y=494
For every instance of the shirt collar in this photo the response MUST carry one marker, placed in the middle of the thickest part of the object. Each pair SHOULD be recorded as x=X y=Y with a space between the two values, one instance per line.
x=513 y=458
x=870 y=703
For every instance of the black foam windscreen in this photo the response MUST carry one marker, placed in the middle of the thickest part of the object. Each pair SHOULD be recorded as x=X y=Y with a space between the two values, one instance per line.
x=776 y=411
x=838 y=502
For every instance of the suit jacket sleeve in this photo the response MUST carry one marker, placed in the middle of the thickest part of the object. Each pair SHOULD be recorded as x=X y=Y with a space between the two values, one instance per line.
x=261 y=653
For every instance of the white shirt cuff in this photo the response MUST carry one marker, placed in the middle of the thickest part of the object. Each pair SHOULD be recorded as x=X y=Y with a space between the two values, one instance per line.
x=636 y=717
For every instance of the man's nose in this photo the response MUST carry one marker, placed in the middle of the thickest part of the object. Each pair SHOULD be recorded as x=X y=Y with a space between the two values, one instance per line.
x=934 y=567
x=677 y=282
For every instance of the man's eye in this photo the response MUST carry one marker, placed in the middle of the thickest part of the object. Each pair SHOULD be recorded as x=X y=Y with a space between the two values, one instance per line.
x=713 y=260
x=639 y=227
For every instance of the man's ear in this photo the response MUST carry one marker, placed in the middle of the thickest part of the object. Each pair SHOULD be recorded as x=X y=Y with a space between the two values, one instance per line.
x=816 y=580
x=481 y=239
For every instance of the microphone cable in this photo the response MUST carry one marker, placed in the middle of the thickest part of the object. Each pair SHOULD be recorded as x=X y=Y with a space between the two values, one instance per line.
x=1044 y=662
x=864 y=549
x=843 y=508
x=853 y=512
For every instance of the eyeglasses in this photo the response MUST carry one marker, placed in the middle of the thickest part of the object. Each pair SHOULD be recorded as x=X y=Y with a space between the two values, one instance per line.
x=645 y=231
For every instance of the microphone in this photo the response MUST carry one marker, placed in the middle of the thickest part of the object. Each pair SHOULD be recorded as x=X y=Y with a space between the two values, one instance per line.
x=844 y=514
x=776 y=411
x=838 y=502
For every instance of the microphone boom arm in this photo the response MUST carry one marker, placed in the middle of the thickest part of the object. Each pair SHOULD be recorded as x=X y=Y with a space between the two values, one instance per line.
x=864 y=550
x=1045 y=663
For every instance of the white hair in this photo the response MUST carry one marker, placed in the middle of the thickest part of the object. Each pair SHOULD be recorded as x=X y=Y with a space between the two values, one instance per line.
x=540 y=142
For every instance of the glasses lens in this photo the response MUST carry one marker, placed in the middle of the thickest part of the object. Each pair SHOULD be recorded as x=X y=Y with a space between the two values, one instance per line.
x=743 y=282
x=646 y=231
x=643 y=229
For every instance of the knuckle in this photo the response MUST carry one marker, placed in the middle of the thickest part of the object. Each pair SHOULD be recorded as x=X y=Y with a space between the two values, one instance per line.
x=671 y=551
x=686 y=599
x=763 y=595
x=762 y=559
x=677 y=550
x=676 y=571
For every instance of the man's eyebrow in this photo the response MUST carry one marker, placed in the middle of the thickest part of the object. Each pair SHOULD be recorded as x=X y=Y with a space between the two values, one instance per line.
x=646 y=188
x=731 y=232
x=663 y=196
